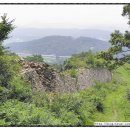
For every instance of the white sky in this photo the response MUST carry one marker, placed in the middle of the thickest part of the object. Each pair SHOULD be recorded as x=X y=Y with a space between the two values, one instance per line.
x=107 y=17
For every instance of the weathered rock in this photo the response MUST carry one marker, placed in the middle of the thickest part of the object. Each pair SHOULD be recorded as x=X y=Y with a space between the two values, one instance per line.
x=45 y=78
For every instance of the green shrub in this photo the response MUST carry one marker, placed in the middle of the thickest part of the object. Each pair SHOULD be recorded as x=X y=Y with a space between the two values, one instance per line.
x=69 y=118
x=5 y=72
x=128 y=95
x=35 y=58
x=73 y=73
x=41 y=99
x=11 y=84
x=72 y=106
x=20 y=89
x=4 y=94
x=8 y=68
x=17 y=113
x=85 y=60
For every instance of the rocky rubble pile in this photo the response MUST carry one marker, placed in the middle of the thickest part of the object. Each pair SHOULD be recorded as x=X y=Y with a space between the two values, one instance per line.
x=43 y=77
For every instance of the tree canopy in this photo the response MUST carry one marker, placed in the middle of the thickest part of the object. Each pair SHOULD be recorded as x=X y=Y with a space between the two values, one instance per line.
x=6 y=27
x=119 y=52
x=35 y=58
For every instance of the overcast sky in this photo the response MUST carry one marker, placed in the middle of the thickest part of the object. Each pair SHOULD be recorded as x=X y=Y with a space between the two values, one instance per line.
x=106 y=17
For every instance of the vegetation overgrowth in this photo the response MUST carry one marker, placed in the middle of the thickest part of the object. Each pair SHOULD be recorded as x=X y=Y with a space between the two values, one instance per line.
x=20 y=106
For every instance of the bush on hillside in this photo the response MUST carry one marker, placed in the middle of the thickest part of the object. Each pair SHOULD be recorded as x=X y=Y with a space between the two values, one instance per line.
x=35 y=58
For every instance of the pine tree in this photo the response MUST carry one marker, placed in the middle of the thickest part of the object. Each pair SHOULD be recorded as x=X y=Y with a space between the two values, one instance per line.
x=6 y=27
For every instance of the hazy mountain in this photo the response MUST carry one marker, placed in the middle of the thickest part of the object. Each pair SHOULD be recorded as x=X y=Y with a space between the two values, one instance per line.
x=59 y=45
x=28 y=34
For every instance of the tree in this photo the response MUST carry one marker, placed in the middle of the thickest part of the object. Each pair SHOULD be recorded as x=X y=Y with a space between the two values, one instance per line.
x=35 y=58
x=119 y=52
x=5 y=72
x=6 y=27
x=126 y=12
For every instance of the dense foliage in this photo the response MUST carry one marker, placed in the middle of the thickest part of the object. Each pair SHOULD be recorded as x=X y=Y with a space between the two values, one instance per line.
x=73 y=109
x=119 y=52
x=35 y=58
x=12 y=87
x=5 y=28
x=84 y=59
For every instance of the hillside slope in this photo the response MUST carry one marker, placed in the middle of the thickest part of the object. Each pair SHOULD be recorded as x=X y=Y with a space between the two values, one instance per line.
x=117 y=103
x=20 y=106
x=59 y=45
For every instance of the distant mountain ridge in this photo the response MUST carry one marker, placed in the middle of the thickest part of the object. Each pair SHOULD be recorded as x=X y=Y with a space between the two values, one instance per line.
x=59 y=45
x=28 y=34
